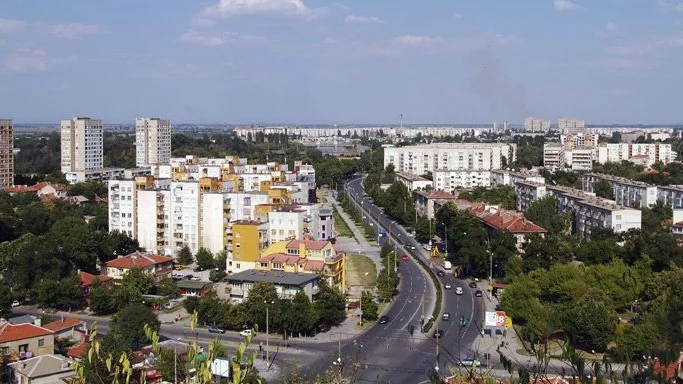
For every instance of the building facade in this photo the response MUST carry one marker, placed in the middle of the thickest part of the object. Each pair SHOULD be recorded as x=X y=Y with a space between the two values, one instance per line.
x=155 y=266
x=450 y=181
x=645 y=154
x=247 y=240
x=6 y=154
x=81 y=144
x=567 y=125
x=671 y=195
x=629 y=193
x=287 y=284
x=421 y=159
x=503 y=177
x=152 y=141
x=413 y=182
x=532 y=124
x=553 y=155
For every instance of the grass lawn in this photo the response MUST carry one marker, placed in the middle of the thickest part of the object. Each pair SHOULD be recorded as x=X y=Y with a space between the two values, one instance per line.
x=361 y=270
x=340 y=225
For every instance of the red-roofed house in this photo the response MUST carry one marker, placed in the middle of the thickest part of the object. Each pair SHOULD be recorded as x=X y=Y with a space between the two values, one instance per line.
x=158 y=267
x=78 y=351
x=68 y=328
x=87 y=281
x=40 y=189
x=495 y=219
x=23 y=341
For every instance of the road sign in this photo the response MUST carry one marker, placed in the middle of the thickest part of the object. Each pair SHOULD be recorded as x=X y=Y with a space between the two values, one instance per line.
x=495 y=319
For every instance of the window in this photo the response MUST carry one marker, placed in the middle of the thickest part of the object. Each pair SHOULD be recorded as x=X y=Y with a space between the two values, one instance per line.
x=5 y=350
x=23 y=348
x=41 y=343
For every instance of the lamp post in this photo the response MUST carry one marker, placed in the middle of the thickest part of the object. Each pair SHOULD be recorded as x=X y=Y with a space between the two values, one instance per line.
x=267 y=333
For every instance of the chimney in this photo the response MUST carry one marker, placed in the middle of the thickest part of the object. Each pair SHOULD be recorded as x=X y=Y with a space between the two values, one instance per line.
x=38 y=322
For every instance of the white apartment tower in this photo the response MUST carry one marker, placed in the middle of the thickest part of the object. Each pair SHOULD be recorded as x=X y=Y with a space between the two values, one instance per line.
x=81 y=139
x=532 y=124
x=6 y=154
x=152 y=141
x=566 y=125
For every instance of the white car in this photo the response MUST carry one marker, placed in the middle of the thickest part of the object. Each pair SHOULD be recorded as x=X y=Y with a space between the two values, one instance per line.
x=458 y=291
x=246 y=333
x=16 y=303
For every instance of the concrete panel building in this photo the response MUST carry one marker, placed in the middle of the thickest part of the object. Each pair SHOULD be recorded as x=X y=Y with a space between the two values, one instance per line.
x=420 y=159
x=449 y=181
x=629 y=193
x=6 y=154
x=553 y=155
x=413 y=182
x=81 y=144
x=503 y=177
x=152 y=141
x=671 y=195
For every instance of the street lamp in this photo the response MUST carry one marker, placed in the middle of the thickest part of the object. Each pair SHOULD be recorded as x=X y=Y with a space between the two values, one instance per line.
x=267 y=333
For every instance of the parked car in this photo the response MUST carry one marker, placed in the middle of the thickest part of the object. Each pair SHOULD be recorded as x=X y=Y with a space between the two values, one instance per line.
x=215 y=329
x=197 y=269
x=478 y=293
x=446 y=316
x=458 y=291
x=473 y=284
x=383 y=320
x=404 y=257
x=246 y=333
x=448 y=286
x=189 y=277
x=440 y=273
x=16 y=303
x=438 y=333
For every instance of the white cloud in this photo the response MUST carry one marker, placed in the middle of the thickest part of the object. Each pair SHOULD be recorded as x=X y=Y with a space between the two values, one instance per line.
x=229 y=8
x=609 y=30
x=24 y=59
x=457 y=16
x=355 y=19
x=217 y=39
x=610 y=27
x=566 y=5
x=415 y=41
x=8 y=26
x=75 y=31
x=666 y=6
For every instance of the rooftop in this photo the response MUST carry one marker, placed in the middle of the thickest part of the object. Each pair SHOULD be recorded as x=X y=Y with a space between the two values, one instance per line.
x=10 y=332
x=315 y=245
x=189 y=284
x=41 y=366
x=275 y=277
x=513 y=222
x=88 y=279
x=410 y=176
x=60 y=325
x=436 y=195
x=138 y=260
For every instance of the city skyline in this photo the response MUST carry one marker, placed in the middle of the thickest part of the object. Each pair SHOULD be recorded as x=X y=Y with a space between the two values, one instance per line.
x=350 y=62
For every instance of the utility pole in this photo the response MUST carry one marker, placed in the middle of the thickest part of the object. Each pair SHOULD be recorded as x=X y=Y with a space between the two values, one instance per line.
x=361 y=308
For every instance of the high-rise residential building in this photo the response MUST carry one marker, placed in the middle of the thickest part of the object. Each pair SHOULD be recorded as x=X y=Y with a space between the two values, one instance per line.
x=532 y=124
x=420 y=159
x=81 y=139
x=567 y=126
x=642 y=153
x=6 y=154
x=152 y=141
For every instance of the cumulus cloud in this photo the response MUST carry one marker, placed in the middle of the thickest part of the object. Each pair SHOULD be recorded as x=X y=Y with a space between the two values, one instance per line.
x=355 y=19
x=75 y=31
x=230 y=8
x=666 y=6
x=24 y=59
x=415 y=41
x=218 y=39
x=565 y=5
x=8 y=26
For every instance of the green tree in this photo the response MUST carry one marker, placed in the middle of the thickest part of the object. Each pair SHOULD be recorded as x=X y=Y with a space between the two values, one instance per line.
x=603 y=189
x=134 y=284
x=369 y=305
x=75 y=243
x=591 y=322
x=329 y=305
x=543 y=212
x=217 y=275
x=387 y=282
x=127 y=327
x=167 y=288
x=101 y=302
x=205 y=259
x=62 y=294
x=303 y=315
x=261 y=295
x=184 y=255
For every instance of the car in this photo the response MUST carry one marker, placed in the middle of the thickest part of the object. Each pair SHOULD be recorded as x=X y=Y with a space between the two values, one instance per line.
x=179 y=267
x=215 y=329
x=189 y=277
x=177 y=276
x=438 y=333
x=246 y=333
x=16 y=303
x=478 y=293
x=412 y=247
x=473 y=284
x=446 y=316
x=383 y=320
x=440 y=273
x=470 y=363
x=447 y=286
x=195 y=278
x=404 y=257
x=198 y=269
x=458 y=291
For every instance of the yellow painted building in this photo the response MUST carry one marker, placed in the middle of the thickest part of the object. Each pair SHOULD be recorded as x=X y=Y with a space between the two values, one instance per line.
x=246 y=241
x=306 y=256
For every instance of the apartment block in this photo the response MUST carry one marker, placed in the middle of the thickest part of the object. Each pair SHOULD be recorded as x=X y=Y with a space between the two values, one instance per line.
x=122 y=207
x=553 y=155
x=247 y=240
x=420 y=159
x=450 y=181
x=426 y=202
x=532 y=124
x=152 y=141
x=629 y=193
x=579 y=158
x=643 y=154
x=503 y=177
x=580 y=139
x=671 y=195
x=286 y=223
x=413 y=182
x=567 y=125
x=6 y=154
x=526 y=193
x=81 y=144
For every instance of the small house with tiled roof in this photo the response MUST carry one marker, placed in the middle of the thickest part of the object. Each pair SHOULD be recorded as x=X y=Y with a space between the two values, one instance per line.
x=496 y=219
x=23 y=341
x=156 y=266
x=44 y=369
x=69 y=328
x=87 y=281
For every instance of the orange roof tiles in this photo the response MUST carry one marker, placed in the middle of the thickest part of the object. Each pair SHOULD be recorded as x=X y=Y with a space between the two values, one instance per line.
x=88 y=279
x=310 y=244
x=314 y=265
x=503 y=220
x=10 y=332
x=79 y=350
x=138 y=260
x=61 y=325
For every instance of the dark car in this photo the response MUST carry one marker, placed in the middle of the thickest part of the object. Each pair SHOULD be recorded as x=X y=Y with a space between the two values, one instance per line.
x=198 y=269
x=478 y=293
x=189 y=277
x=438 y=333
x=441 y=273
x=215 y=329
x=383 y=320
x=473 y=284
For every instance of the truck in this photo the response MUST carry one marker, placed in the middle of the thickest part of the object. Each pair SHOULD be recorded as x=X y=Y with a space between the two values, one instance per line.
x=447 y=265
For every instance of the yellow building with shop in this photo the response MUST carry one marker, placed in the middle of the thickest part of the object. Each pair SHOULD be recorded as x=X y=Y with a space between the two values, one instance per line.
x=306 y=256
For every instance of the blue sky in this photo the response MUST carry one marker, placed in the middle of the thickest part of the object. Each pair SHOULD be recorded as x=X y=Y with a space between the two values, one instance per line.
x=354 y=61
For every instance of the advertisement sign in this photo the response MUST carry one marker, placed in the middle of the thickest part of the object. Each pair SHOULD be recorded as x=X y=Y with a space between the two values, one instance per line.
x=495 y=319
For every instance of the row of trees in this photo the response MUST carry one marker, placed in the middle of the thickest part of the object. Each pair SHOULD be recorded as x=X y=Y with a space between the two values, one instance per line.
x=296 y=316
